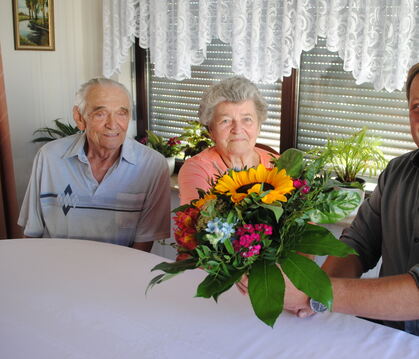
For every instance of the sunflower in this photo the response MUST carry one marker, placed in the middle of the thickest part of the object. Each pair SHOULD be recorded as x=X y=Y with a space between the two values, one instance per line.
x=274 y=184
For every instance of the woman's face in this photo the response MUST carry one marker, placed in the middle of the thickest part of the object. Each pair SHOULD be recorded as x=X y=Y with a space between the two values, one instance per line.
x=235 y=128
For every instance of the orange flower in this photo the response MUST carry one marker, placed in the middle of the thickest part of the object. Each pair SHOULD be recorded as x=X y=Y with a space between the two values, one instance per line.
x=186 y=240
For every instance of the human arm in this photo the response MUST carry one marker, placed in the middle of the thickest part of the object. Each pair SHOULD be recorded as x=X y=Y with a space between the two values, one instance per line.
x=30 y=216
x=143 y=246
x=154 y=222
x=193 y=175
x=387 y=298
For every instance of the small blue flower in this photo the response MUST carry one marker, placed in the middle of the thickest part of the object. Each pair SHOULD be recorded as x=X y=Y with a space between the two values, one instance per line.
x=221 y=230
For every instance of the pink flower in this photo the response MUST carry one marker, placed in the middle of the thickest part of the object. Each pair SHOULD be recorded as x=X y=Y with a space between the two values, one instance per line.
x=253 y=250
x=298 y=183
x=305 y=189
x=173 y=141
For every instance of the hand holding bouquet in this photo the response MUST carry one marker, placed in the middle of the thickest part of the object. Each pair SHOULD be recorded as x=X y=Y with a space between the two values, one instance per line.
x=258 y=222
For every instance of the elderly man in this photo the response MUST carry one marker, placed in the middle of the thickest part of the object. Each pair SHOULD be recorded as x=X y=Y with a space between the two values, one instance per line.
x=99 y=185
x=387 y=225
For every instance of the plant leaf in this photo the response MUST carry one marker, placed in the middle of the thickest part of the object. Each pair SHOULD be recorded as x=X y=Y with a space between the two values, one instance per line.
x=334 y=206
x=266 y=291
x=214 y=285
x=320 y=241
x=292 y=161
x=308 y=277
x=158 y=279
x=176 y=267
x=277 y=210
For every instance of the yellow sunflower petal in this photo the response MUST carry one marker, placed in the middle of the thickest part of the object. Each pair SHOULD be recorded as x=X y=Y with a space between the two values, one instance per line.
x=255 y=188
x=237 y=197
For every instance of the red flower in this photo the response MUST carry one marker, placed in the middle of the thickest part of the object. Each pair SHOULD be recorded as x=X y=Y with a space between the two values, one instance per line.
x=185 y=233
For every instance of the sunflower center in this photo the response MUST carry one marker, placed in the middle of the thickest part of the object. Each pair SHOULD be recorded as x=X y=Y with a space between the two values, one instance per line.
x=246 y=187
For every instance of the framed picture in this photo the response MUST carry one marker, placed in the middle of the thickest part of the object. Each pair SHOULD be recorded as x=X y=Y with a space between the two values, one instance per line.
x=33 y=22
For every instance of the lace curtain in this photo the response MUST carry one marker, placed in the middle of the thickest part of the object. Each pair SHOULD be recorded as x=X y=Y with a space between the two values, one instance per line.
x=378 y=40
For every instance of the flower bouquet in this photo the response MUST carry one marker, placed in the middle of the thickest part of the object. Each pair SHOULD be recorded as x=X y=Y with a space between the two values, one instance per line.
x=262 y=222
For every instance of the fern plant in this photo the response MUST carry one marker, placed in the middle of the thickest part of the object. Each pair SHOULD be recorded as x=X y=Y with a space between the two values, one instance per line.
x=352 y=156
x=51 y=134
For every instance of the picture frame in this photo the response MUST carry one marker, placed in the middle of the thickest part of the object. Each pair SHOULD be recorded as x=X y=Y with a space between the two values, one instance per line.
x=34 y=26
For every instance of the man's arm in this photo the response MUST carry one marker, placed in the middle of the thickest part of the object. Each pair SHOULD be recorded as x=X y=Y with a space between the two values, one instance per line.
x=343 y=267
x=143 y=246
x=388 y=298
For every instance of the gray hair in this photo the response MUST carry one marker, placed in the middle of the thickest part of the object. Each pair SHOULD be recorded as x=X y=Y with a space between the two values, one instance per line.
x=234 y=89
x=81 y=94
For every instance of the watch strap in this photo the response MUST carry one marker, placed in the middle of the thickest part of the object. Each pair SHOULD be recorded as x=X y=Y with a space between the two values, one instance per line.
x=316 y=306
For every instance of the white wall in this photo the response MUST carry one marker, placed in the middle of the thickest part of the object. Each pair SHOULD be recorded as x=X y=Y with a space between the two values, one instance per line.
x=40 y=85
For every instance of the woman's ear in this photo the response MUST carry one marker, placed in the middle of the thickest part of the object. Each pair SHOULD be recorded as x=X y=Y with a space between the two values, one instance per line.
x=78 y=119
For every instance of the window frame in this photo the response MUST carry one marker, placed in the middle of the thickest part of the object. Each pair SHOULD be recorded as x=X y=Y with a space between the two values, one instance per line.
x=289 y=105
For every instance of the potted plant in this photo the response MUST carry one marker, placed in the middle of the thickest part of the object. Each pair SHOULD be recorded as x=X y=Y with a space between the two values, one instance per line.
x=196 y=138
x=50 y=133
x=168 y=148
x=350 y=157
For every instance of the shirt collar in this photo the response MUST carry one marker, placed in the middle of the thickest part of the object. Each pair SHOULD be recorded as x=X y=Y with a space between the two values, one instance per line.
x=77 y=149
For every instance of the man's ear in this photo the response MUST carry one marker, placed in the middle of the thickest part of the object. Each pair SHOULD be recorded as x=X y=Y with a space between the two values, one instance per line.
x=78 y=119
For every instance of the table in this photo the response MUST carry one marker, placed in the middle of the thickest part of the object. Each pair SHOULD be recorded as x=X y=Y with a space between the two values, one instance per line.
x=84 y=299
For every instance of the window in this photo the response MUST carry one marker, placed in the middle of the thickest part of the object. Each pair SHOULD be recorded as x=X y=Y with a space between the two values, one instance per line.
x=173 y=103
x=330 y=103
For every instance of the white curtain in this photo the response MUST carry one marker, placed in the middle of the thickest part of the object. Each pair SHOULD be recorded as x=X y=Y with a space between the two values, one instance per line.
x=378 y=40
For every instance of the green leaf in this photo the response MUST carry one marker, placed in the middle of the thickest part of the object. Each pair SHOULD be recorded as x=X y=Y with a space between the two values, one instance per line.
x=292 y=161
x=266 y=291
x=213 y=285
x=176 y=267
x=158 y=279
x=229 y=246
x=181 y=208
x=277 y=210
x=308 y=277
x=333 y=206
x=320 y=241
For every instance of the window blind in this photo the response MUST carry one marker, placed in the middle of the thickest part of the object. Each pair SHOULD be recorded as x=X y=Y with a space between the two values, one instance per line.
x=332 y=105
x=173 y=103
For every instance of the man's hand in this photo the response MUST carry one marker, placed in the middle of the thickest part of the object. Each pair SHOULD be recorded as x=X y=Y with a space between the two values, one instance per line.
x=296 y=301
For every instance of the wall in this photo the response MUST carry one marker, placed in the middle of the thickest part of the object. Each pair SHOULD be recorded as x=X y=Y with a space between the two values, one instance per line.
x=40 y=85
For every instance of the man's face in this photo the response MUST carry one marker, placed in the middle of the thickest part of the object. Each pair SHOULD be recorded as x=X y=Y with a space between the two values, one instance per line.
x=414 y=109
x=105 y=118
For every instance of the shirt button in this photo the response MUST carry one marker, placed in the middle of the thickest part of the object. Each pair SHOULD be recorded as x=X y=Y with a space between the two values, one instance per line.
x=416 y=239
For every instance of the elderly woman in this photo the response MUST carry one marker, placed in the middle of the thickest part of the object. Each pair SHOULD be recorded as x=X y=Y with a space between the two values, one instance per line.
x=233 y=110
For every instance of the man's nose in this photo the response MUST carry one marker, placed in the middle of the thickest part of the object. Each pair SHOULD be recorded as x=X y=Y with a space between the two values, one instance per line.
x=111 y=121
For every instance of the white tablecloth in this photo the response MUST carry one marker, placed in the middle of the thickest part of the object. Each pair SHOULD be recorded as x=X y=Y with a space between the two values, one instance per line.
x=82 y=299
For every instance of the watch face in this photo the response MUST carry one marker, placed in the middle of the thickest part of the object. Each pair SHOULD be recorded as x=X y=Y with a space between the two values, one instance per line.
x=317 y=306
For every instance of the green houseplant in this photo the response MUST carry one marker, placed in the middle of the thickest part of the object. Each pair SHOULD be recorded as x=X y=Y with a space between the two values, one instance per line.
x=352 y=156
x=195 y=138
x=61 y=129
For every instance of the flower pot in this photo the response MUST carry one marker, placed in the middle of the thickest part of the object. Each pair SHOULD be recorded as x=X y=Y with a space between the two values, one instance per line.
x=171 y=164
x=348 y=220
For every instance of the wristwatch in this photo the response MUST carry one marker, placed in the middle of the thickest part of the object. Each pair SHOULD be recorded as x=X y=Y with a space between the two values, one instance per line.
x=317 y=306
x=414 y=272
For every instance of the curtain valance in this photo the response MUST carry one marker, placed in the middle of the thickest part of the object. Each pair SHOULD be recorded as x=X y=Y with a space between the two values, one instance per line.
x=378 y=40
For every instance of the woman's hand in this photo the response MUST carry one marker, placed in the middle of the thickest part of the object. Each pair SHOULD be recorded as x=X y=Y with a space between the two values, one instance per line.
x=242 y=284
